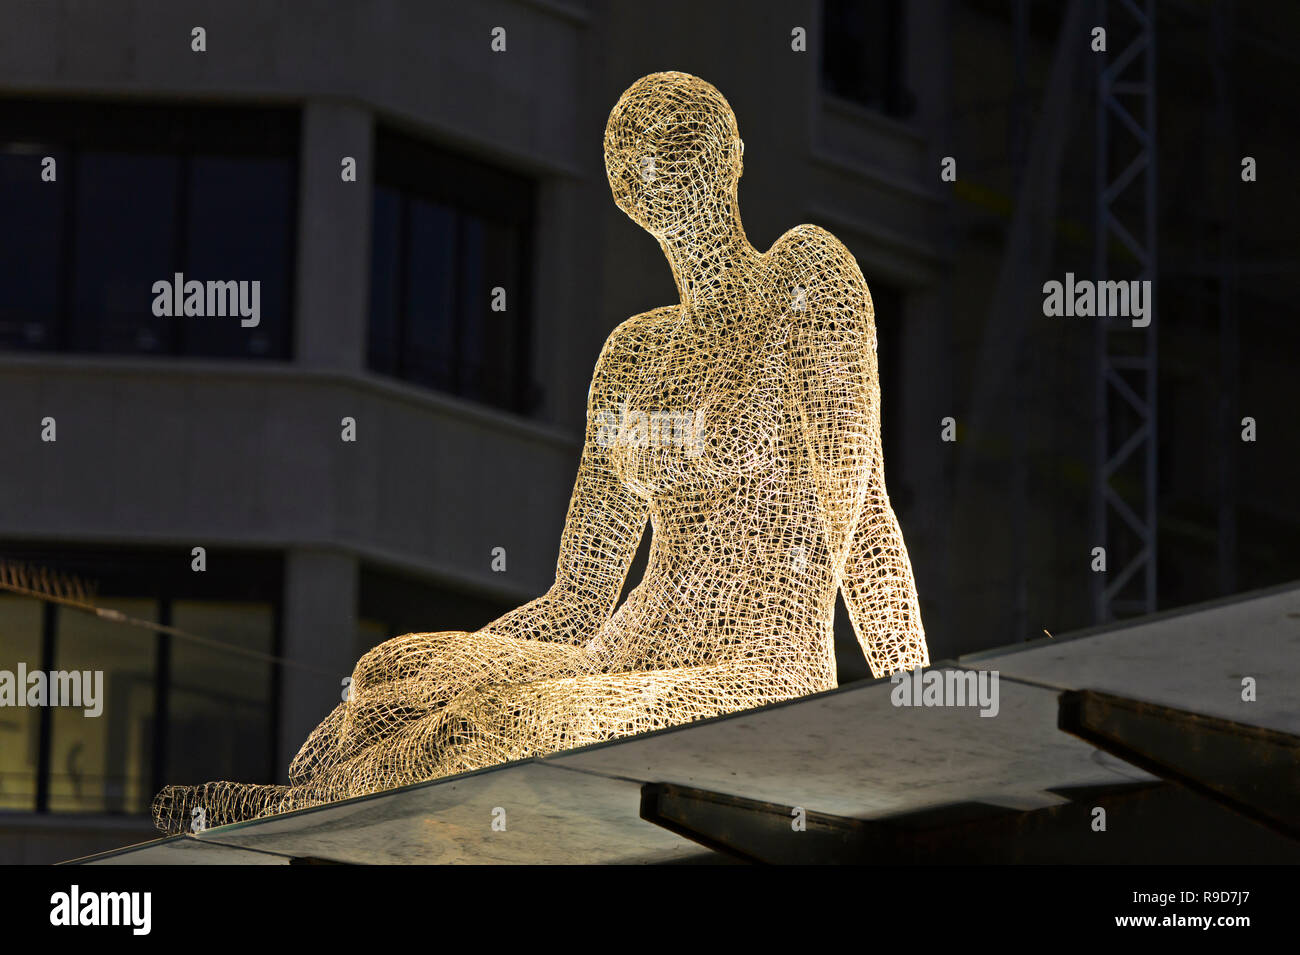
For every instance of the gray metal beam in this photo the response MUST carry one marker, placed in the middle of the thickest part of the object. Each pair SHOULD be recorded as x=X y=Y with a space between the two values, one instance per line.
x=1251 y=770
x=1145 y=823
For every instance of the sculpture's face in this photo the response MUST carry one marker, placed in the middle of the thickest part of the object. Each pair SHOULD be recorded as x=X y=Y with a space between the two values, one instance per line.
x=671 y=153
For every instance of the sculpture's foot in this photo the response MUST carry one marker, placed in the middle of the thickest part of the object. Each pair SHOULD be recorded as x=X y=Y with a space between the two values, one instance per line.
x=180 y=809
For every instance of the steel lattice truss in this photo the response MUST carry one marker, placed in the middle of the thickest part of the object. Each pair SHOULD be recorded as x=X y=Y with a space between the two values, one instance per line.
x=1124 y=479
x=744 y=425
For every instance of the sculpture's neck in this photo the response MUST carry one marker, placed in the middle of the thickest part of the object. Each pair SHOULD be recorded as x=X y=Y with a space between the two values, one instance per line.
x=713 y=266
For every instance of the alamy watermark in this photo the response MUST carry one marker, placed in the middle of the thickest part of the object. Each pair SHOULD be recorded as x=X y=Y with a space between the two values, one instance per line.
x=1088 y=299
x=177 y=297
x=74 y=688
x=658 y=429
x=75 y=907
x=947 y=688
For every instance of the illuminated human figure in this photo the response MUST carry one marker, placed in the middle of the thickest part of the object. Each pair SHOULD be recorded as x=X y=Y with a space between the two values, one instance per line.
x=744 y=423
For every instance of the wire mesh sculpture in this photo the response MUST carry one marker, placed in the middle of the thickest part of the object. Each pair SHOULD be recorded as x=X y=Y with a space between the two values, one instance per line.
x=744 y=424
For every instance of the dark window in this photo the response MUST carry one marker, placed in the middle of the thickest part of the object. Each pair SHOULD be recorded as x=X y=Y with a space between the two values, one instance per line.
x=31 y=244
x=862 y=54
x=143 y=193
x=125 y=217
x=446 y=231
x=173 y=710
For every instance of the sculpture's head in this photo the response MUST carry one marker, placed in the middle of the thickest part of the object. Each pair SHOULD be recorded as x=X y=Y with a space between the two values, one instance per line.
x=672 y=153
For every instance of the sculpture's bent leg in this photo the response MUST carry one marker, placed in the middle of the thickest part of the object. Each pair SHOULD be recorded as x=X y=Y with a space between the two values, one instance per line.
x=400 y=682
x=174 y=808
x=320 y=747
x=500 y=723
x=495 y=724
x=403 y=679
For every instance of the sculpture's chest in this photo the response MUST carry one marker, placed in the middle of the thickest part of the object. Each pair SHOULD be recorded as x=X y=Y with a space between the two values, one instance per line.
x=696 y=418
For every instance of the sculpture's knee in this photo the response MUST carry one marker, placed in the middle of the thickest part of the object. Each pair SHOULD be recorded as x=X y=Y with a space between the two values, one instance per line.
x=403 y=657
x=470 y=732
x=398 y=759
x=320 y=748
x=495 y=724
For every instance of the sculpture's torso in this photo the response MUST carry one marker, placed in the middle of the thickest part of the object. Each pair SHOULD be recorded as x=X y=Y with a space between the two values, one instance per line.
x=738 y=566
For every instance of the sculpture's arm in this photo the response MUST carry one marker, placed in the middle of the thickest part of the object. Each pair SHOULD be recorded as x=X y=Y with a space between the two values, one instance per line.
x=879 y=589
x=601 y=532
x=832 y=374
x=833 y=338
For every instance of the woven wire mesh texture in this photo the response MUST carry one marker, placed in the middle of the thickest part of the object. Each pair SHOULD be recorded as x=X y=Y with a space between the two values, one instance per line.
x=744 y=424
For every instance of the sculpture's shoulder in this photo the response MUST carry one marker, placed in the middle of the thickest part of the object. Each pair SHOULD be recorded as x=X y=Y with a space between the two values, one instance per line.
x=828 y=297
x=813 y=258
x=627 y=346
x=631 y=339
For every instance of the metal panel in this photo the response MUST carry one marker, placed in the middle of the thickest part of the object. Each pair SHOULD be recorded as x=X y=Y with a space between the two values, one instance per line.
x=1253 y=771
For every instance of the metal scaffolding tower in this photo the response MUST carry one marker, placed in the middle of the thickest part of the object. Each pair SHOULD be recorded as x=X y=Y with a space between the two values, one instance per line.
x=1124 y=479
